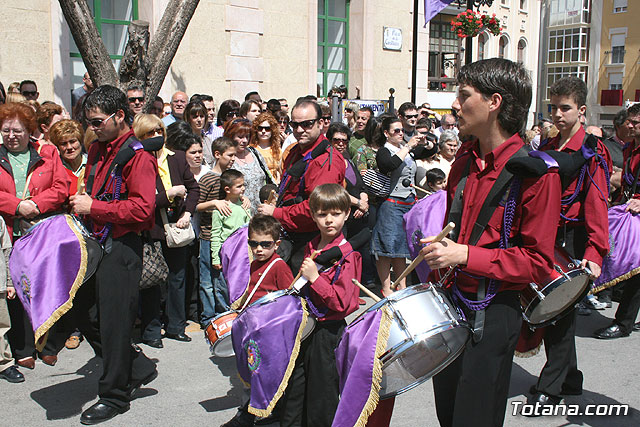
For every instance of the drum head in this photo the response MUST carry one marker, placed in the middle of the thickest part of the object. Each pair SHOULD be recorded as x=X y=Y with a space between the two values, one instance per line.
x=223 y=347
x=561 y=296
x=419 y=362
x=308 y=327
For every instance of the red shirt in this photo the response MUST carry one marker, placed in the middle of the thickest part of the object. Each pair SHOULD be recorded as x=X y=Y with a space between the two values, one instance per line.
x=278 y=277
x=631 y=151
x=139 y=182
x=593 y=205
x=341 y=297
x=535 y=221
x=327 y=168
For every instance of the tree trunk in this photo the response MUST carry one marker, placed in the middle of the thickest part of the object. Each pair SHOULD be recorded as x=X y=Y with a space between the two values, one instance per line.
x=85 y=34
x=133 y=70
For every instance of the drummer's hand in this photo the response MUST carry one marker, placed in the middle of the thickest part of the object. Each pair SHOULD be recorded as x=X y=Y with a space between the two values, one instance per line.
x=80 y=204
x=28 y=209
x=266 y=209
x=593 y=267
x=444 y=253
x=11 y=292
x=217 y=266
x=633 y=206
x=309 y=270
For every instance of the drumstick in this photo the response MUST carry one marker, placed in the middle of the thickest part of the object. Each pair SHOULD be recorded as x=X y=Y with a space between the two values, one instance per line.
x=417 y=260
x=82 y=188
x=364 y=289
x=295 y=279
x=420 y=189
x=272 y=197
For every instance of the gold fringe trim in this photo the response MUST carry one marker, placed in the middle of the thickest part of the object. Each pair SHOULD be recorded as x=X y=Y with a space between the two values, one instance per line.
x=42 y=331
x=381 y=347
x=240 y=301
x=615 y=281
x=529 y=353
x=292 y=361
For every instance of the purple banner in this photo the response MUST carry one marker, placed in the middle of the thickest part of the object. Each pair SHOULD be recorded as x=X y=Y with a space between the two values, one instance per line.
x=426 y=218
x=266 y=339
x=359 y=367
x=623 y=260
x=432 y=8
x=236 y=264
x=47 y=266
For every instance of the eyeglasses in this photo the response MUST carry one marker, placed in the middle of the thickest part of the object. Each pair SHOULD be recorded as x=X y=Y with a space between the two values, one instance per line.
x=232 y=114
x=339 y=140
x=283 y=121
x=96 y=123
x=136 y=98
x=410 y=116
x=29 y=92
x=266 y=244
x=16 y=132
x=264 y=128
x=326 y=117
x=348 y=110
x=397 y=131
x=424 y=113
x=306 y=124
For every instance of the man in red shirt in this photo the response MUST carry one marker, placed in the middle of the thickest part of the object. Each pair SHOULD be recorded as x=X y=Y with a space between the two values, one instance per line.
x=630 y=300
x=107 y=304
x=310 y=163
x=492 y=105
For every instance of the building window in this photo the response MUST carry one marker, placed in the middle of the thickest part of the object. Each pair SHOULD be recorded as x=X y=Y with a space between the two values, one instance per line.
x=523 y=4
x=482 y=45
x=567 y=12
x=504 y=2
x=522 y=51
x=503 y=45
x=444 y=55
x=568 y=45
x=112 y=17
x=333 y=44
x=556 y=73
x=615 y=81
x=619 y=6
x=617 y=48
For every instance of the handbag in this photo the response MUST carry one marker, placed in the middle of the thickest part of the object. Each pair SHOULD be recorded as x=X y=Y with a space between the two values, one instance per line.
x=154 y=267
x=376 y=183
x=176 y=237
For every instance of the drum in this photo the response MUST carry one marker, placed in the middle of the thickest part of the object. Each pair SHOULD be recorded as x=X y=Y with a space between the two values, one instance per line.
x=543 y=305
x=218 y=334
x=427 y=334
x=272 y=296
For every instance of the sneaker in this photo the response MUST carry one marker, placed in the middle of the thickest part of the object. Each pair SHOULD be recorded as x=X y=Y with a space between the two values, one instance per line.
x=593 y=303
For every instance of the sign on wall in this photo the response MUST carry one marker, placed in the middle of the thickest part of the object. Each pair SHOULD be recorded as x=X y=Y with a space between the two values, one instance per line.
x=392 y=38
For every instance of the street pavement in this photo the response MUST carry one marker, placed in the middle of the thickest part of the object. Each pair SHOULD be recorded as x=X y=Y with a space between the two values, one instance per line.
x=195 y=389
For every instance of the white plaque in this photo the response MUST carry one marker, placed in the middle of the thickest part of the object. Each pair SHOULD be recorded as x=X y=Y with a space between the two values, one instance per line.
x=392 y=38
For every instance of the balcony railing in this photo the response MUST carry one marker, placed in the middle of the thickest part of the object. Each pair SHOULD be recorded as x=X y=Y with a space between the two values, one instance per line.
x=611 y=97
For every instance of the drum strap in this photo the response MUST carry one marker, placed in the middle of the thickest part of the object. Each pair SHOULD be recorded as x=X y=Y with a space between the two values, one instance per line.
x=255 y=288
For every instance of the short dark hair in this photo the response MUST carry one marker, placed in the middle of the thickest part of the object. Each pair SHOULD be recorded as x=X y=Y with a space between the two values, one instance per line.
x=434 y=175
x=620 y=118
x=306 y=103
x=179 y=135
x=265 y=192
x=366 y=108
x=135 y=87
x=328 y=197
x=250 y=94
x=222 y=144
x=372 y=133
x=634 y=110
x=265 y=224
x=227 y=179
x=224 y=109
x=572 y=87
x=508 y=79
x=194 y=107
x=27 y=82
x=424 y=122
x=108 y=99
x=385 y=126
x=158 y=98
x=201 y=97
x=273 y=105
x=406 y=106
x=246 y=106
x=281 y=114
x=338 y=127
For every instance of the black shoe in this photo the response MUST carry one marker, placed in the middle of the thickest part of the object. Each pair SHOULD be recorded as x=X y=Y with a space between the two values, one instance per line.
x=583 y=310
x=153 y=343
x=271 y=419
x=135 y=386
x=240 y=419
x=99 y=412
x=636 y=327
x=12 y=374
x=544 y=400
x=178 y=337
x=613 y=331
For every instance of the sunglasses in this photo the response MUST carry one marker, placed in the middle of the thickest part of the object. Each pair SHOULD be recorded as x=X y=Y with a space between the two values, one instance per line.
x=96 y=123
x=306 y=124
x=339 y=140
x=136 y=98
x=283 y=121
x=410 y=116
x=284 y=105
x=265 y=128
x=326 y=117
x=348 y=110
x=397 y=131
x=29 y=92
x=265 y=244
x=232 y=114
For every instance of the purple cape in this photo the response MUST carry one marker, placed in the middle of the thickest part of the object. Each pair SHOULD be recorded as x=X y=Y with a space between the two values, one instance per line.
x=266 y=339
x=48 y=265
x=236 y=264
x=426 y=218
x=623 y=259
x=359 y=367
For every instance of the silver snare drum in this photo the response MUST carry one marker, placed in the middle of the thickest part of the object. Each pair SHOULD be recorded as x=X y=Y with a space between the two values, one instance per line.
x=427 y=334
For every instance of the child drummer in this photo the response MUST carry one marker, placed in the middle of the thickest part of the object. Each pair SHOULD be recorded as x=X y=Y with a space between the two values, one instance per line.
x=313 y=390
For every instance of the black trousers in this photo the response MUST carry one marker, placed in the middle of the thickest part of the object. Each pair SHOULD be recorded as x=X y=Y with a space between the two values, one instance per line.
x=176 y=288
x=311 y=398
x=106 y=308
x=629 y=304
x=473 y=390
x=21 y=336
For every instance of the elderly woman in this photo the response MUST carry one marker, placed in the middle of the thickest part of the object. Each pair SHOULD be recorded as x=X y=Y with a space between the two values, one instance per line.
x=265 y=137
x=68 y=136
x=448 y=146
x=177 y=194
x=33 y=182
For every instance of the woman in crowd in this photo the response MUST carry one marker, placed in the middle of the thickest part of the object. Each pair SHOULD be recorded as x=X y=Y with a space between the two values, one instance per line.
x=250 y=109
x=350 y=112
x=248 y=161
x=282 y=118
x=195 y=114
x=228 y=111
x=265 y=137
x=33 y=183
x=448 y=142
x=176 y=197
x=396 y=159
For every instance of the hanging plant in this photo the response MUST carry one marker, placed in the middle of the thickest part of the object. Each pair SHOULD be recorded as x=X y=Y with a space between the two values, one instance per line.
x=470 y=24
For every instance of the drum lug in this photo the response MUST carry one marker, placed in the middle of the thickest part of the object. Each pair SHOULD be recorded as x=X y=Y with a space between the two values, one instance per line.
x=535 y=289
x=559 y=270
